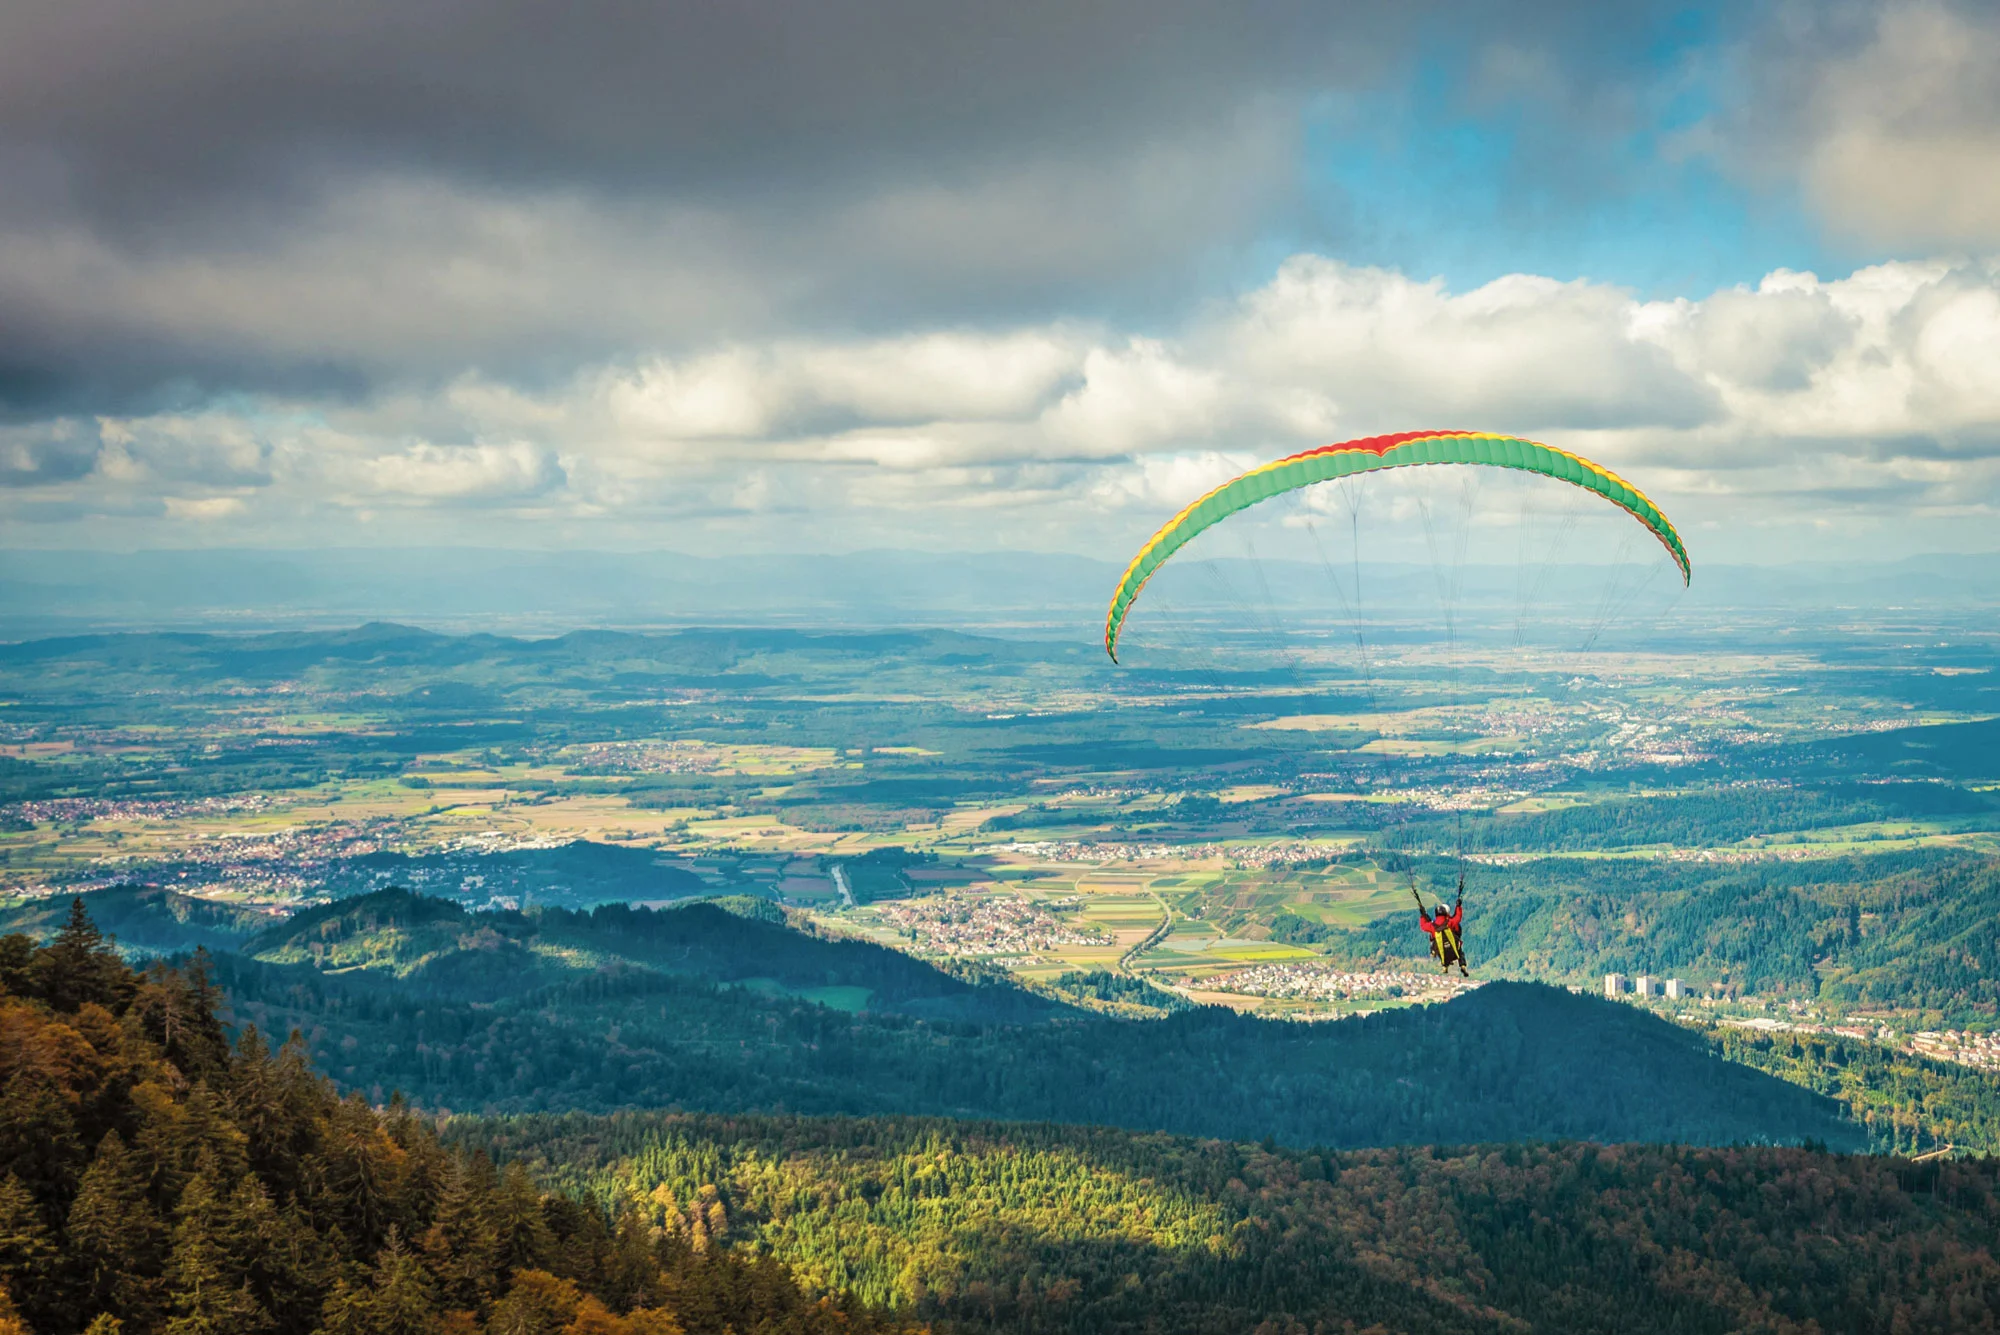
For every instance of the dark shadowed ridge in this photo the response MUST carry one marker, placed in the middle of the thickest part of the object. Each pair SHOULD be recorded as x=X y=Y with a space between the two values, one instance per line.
x=698 y=1008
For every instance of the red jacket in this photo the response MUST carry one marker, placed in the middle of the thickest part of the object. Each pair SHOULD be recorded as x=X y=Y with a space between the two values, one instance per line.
x=1451 y=920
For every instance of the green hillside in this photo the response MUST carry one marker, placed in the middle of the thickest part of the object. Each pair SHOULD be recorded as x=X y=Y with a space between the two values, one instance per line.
x=435 y=947
x=1908 y=929
x=1905 y=1101
x=1026 y=1228
x=1719 y=816
x=143 y=920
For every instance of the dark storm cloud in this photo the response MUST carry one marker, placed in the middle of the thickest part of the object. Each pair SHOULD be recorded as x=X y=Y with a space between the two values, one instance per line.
x=148 y=98
x=143 y=98
x=223 y=193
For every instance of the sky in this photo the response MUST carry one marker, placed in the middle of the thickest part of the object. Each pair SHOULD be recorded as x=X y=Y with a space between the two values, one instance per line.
x=786 y=276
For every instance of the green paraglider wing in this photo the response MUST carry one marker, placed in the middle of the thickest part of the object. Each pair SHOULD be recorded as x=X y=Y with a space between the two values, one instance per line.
x=1403 y=450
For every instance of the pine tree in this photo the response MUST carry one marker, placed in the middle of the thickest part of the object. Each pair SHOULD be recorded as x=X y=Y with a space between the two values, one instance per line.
x=207 y=1292
x=426 y=1165
x=359 y=1172
x=461 y=1247
x=27 y=1252
x=282 y=1263
x=401 y=1300
x=117 y=1242
x=405 y=1298
x=178 y=1137
x=521 y=1233
x=177 y=1009
x=78 y=966
x=259 y=1108
x=17 y=964
x=632 y=1270
x=39 y=1142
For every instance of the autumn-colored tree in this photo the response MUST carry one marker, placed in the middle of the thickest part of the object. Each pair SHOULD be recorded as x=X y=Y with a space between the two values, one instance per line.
x=10 y=1317
x=202 y=1189
x=537 y=1303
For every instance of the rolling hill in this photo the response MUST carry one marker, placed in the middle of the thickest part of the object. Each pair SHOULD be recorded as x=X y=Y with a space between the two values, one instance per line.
x=145 y=920
x=699 y=1008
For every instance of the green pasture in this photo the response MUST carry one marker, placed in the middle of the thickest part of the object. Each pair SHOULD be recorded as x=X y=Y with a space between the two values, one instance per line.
x=1119 y=911
x=1239 y=951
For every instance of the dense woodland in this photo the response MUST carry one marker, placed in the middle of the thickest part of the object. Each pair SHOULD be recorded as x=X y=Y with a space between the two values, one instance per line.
x=1047 y=1229
x=156 y=1176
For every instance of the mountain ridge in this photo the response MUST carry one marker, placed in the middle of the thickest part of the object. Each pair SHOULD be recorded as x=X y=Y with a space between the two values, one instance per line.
x=702 y=1009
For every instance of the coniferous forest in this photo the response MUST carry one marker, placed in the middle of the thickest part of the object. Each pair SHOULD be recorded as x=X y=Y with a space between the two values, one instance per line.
x=157 y=1174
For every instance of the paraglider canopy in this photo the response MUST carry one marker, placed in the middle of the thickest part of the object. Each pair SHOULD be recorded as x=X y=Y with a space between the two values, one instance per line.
x=1373 y=453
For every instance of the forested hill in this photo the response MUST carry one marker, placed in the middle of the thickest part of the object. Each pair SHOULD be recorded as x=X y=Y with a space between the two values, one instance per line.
x=156 y=1177
x=1045 y=1229
x=433 y=947
x=700 y=1009
x=1907 y=929
x=144 y=919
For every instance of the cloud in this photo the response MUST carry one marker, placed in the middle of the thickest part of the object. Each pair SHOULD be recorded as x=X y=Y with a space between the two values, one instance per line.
x=426 y=474
x=338 y=201
x=1765 y=408
x=1906 y=132
x=47 y=452
x=1887 y=116
x=210 y=449
x=747 y=393
x=203 y=509
x=1537 y=353
x=1886 y=358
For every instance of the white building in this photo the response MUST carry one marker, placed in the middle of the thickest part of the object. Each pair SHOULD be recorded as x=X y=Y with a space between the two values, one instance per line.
x=1674 y=989
x=1645 y=985
x=1614 y=984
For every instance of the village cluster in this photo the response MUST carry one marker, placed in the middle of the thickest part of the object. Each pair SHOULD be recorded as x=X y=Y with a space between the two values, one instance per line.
x=969 y=925
x=1324 y=982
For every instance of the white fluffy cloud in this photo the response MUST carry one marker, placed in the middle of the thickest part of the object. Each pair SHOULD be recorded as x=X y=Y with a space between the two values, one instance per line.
x=425 y=473
x=1868 y=396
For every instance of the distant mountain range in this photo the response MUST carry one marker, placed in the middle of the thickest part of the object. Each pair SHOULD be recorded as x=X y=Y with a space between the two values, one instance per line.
x=44 y=593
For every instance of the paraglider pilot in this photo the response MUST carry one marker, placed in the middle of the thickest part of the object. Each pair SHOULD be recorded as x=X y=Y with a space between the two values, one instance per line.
x=1447 y=944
